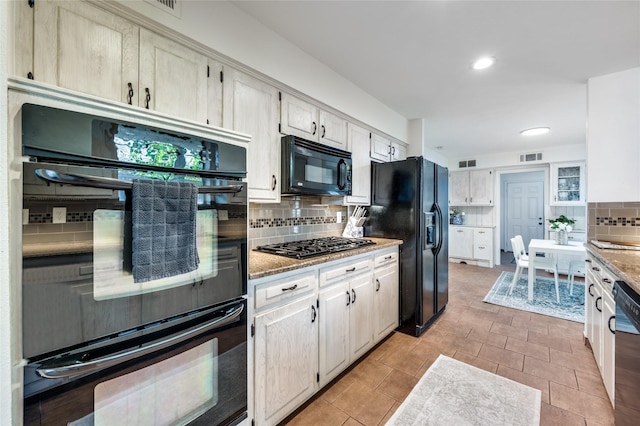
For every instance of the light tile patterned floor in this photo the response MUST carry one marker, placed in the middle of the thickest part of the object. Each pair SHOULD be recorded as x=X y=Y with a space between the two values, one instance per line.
x=543 y=352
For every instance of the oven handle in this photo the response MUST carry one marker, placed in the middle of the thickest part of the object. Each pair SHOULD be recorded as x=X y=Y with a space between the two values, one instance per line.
x=78 y=368
x=51 y=176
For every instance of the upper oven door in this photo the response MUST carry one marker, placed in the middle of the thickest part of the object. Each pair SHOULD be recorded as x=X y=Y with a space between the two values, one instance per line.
x=309 y=168
x=77 y=282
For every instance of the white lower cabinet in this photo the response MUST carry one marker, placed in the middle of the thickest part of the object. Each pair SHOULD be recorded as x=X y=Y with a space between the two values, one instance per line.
x=600 y=310
x=286 y=347
x=346 y=309
x=471 y=244
x=386 y=298
x=309 y=325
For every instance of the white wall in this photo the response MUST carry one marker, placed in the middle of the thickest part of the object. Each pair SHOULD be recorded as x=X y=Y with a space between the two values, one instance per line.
x=512 y=158
x=417 y=143
x=226 y=29
x=613 y=137
x=6 y=410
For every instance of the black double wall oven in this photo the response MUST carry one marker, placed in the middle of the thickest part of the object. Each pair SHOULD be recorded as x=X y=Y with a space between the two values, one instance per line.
x=103 y=345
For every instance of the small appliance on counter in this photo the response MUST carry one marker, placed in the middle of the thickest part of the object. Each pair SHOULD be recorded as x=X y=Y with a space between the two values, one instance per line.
x=409 y=202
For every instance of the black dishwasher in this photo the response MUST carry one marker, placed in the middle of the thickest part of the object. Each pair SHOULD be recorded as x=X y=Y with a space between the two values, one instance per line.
x=627 y=387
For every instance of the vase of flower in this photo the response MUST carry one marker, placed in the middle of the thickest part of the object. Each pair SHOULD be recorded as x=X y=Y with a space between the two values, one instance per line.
x=562 y=226
x=457 y=217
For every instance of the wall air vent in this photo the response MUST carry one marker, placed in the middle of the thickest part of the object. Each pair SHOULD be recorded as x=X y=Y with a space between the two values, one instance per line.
x=169 y=6
x=466 y=163
x=530 y=157
x=471 y=163
x=462 y=164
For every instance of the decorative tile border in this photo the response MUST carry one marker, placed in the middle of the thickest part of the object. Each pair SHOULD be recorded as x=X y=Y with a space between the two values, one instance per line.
x=290 y=221
x=617 y=221
x=71 y=217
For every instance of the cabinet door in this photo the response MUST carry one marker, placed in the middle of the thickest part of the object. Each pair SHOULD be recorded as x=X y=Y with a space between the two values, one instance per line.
x=380 y=148
x=458 y=188
x=360 y=319
x=596 y=343
x=608 y=343
x=173 y=79
x=81 y=47
x=398 y=151
x=483 y=244
x=568 y=184
x=589 y=305
x=460 y=242
x=286 y=359
x=386 y=302
x=251 y=106
x=298 y=118
x=481 y=188
x=333 y=313
x=360 y=166
x=214 y=93
x=333 y=130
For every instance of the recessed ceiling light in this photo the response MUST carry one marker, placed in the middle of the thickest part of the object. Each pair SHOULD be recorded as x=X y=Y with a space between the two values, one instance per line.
x=484 y=62
x=535 y=131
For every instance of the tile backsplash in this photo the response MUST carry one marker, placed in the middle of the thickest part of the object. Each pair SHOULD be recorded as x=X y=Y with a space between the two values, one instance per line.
x=614 y=221
x=295 y=218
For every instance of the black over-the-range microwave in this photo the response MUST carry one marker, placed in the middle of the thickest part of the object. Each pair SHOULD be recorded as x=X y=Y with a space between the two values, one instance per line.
x=309 y=168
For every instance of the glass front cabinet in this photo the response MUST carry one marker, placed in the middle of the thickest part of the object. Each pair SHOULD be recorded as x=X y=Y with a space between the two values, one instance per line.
x=568 y=184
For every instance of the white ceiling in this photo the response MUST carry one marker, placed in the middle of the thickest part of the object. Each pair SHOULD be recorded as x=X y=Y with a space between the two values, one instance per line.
x=415 y=57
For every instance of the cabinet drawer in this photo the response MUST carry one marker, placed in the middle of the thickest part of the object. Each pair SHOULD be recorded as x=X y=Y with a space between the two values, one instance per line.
x=284 y=289
x=482 y=237
x=482 y=252
x=385 y=259
x=346 y=270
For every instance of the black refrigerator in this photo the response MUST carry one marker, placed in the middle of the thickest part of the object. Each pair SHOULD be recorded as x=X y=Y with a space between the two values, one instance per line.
x=409 y=201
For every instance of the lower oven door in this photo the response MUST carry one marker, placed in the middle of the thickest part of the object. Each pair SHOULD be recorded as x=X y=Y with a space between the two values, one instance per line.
x=196 y=373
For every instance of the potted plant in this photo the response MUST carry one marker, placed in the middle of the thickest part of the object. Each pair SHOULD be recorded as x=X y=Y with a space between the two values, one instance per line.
x=457 y=216
x=562 y=225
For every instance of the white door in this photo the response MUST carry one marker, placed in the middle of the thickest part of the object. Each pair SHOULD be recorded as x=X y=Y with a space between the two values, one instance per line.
x=524 y=207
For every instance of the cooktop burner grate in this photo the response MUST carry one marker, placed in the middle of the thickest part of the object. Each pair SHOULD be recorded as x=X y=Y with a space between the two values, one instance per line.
x=314 y=247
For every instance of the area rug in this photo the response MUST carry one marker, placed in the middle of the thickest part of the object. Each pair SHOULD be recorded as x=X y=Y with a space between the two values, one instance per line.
x=571 y=307
x=454 y=393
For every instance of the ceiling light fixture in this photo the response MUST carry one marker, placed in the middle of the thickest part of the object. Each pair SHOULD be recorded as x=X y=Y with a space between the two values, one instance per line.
x=484 y=62
x=535 y=131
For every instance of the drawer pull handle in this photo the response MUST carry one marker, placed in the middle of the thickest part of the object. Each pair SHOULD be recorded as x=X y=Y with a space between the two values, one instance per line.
x=388 y=257
x=348 y=298
x=595 y=268
x=590 y=287
x=377 y=285
x=612 y=330
x=293 y=287
x=597 y=300
x=351 y=269
x=353 y=300
x=606 y=280
x=314 y=314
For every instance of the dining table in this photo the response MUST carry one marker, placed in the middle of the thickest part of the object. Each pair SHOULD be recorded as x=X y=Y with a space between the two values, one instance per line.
x=538 y=246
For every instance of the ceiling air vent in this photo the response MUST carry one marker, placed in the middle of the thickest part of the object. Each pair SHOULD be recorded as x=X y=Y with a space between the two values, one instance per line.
x=170 y=6
x=530 y=157
x=466 y=163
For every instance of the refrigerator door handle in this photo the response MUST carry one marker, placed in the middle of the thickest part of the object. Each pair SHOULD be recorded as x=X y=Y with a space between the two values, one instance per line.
x=438 y=247
x=75 y=368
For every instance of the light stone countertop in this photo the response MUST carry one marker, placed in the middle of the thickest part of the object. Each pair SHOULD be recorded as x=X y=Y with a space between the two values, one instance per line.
x=265 y=264
x=625 y=264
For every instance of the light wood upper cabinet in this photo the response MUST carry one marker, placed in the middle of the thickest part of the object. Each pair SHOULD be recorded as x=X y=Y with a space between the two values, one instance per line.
x=358 y=142
x=471 y=188
x=214 y=93
x=81 y=47
x=173 y=79
x=303 y=119
x=384 y=149
x=251 y=106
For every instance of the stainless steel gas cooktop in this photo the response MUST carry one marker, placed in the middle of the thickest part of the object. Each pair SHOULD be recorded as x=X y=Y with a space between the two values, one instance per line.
x=314 y=247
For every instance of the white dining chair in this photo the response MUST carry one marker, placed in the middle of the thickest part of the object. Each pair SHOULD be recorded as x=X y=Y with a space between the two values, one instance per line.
x=575 y=267
x=522 y=262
